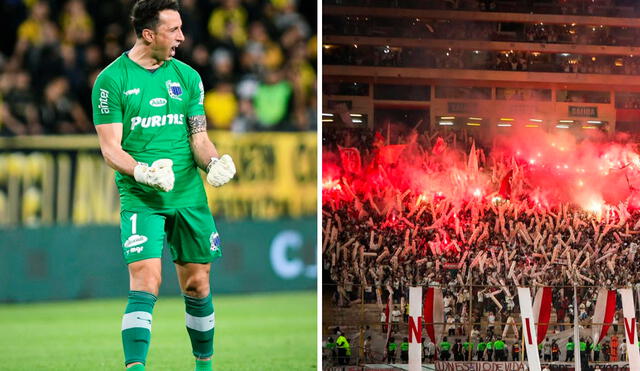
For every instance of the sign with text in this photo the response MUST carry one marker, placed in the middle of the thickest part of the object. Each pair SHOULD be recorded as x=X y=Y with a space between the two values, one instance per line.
x=576 y=111
x=480 y=366
x=462 y=107
x=529 y=328
x=415 y=328
x=70 y=183
x=630 y=328
x=73 y=262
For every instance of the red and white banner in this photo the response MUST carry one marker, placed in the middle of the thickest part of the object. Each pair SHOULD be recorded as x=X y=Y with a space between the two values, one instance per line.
x=388 y=313
x=630 y=328
x=542 y=312
x=481 y=366
x=603 y=314
x=434 y=313
x=576 y=332
x=415 y=328
x=529 y=328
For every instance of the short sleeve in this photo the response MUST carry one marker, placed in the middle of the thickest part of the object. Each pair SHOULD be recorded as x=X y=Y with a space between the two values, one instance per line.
x=105 y=100
x=196 y=96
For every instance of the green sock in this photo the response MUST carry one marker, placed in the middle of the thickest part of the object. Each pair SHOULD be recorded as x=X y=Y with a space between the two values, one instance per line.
x=137 y=367
x=136 y=327
x=200 y=320
x=203 y=365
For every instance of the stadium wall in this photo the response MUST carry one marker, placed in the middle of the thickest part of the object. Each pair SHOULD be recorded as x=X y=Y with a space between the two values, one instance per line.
x=78 y=262
x=60 y=214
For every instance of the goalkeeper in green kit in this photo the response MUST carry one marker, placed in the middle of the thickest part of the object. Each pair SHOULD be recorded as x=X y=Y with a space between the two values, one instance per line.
x=148 y=112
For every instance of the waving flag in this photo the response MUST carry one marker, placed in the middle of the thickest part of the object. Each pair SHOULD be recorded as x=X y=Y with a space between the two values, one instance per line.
x=433 y=313
x=350 y=159
x=542 y=312
x=603 y=313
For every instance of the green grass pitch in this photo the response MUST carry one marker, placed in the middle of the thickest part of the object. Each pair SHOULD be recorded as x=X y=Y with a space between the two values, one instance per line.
x=267 y=331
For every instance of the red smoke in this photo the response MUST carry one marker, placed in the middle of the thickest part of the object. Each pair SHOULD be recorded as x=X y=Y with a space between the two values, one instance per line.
x=543 y=169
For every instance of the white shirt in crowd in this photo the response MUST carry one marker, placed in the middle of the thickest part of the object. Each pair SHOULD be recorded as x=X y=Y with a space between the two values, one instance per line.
x=547 y=348
x=395 y=315
x=510 y=303
x=480 y=296
x=622 y=349
x=447 y=301
x=475 y=334
x=429 y=348
x=450 y=323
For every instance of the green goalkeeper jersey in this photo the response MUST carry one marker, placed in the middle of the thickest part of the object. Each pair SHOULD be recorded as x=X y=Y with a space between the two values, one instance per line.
x=153 y=108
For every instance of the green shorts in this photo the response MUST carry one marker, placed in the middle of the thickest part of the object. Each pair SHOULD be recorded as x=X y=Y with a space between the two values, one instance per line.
x=191 y=233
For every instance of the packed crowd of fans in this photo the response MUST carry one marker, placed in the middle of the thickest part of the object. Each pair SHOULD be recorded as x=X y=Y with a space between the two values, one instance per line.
x=380 y=237
x=378 y=232
x=390 y=56
x=570 y=33
x=256 y=59
x=628 y=101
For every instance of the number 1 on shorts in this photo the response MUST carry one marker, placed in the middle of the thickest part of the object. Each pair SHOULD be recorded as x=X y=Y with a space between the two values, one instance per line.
x=133 y=219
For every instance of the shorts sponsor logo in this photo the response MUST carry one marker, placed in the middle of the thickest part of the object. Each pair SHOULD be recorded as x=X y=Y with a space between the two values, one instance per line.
x=174 y=89
x=157 y=120
x=137 y=250
x=214 y=240
x=158 y=102
x=132 y=91
x=104 y=101
x=135 y=240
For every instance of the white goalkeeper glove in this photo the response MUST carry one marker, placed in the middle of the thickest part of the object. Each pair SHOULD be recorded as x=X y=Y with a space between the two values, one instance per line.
x=159 y=175
x=220 y=170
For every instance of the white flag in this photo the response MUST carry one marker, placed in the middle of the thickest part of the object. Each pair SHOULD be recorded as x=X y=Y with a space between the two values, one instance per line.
x=415 y=328
x=630 y=328
x=529 y=328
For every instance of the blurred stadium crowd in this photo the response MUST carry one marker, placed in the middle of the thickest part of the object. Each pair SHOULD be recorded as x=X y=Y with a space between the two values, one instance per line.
x=451 y=29
x=389 y=56
x=257 y=60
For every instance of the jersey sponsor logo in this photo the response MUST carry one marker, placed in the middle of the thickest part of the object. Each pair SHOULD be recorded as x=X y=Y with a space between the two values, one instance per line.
x=104 y=101
x=214 y=240
x=158 y=120
x=135 y=240
x=132 y=91
x=158 y=102
x=175 y=90
x=201 y=93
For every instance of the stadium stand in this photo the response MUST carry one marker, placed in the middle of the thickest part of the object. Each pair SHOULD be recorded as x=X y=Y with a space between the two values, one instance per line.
x=442 y=123
x=256 y=59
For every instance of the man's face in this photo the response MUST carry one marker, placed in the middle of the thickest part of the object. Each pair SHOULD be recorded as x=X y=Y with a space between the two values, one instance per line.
x=168 y=35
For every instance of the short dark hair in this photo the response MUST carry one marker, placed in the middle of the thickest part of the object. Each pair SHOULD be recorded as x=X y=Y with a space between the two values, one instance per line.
x=145 y=13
